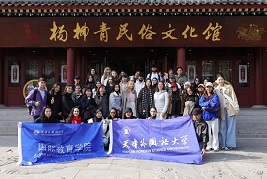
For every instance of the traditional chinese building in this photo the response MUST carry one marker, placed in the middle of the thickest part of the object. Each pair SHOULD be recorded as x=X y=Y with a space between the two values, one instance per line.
x=58 y=39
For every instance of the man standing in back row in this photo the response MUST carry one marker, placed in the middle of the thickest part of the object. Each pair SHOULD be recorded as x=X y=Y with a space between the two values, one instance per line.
x=154 y=73
x=38 y=98
x=180 y=77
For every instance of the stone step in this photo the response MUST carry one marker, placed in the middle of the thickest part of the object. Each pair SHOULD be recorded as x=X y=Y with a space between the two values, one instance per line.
x=251 y=123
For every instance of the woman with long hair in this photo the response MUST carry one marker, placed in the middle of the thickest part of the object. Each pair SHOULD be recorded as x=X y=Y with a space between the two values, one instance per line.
x=74 y=116
x=90 y=82
x=228 y=110
x=66 y=101
x=110 y=85
x=174 y=101
x=191 y=101
x=113 y=114
x=46 y=116
x=123 y=83
x=197 y=81
x=210 y=105
x=105 y=76
x=161 y=100
x=87 y=105
x=153 y=113
x=128 y=114
x=56 y=96
x=115 y=100
x=95 y=89
x=145 y=99
x=129 y=98
x=101 y=100
x=94 y=75
x=115 y=76
x=98 y=117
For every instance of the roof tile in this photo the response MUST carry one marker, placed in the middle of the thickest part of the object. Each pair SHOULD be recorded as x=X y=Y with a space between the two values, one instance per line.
x=125 y=2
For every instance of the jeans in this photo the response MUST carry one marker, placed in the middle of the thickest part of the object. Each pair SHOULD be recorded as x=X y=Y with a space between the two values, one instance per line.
x=228 y=130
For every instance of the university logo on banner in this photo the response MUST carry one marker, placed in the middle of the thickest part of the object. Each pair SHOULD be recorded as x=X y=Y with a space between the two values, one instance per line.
x=49 y=143
x=171 y=140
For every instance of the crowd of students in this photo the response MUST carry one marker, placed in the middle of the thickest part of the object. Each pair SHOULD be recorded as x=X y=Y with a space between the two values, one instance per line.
x=159 y=96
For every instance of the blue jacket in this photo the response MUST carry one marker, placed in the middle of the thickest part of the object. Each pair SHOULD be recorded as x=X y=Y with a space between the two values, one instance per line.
x=36 y=111
x=207 y=116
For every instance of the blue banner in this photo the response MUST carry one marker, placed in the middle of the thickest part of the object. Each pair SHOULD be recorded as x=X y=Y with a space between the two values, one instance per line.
x=49 y=143
x=172 y=140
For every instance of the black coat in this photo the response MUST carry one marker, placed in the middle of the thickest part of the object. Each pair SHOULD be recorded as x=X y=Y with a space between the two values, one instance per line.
x=102 y=103
x=88 y=108
x=67 y=104
x=56 y=106
x=202 y=132
x=46 y=120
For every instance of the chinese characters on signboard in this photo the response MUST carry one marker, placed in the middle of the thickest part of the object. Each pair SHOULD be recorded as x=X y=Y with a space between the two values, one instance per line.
x=146 y=32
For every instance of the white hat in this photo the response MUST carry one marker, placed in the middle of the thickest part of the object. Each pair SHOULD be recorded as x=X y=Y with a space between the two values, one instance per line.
x=209 y=84
x=187 y=84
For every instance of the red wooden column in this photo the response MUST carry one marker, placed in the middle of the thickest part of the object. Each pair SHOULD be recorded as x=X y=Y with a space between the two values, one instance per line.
x=70 y=65
x=2 y=79
x=79 y=66
x=181 y=59
x=259 y=77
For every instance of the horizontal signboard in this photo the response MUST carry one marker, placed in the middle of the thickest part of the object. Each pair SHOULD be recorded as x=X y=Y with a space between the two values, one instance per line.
x=167 y=31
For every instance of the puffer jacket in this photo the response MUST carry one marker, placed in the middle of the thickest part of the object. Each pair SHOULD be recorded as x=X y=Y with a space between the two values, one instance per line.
x=208 y=116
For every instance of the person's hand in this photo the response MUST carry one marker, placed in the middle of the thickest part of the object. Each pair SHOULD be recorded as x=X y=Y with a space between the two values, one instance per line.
x=90 y=121
x=203 y=108
x=37 y=103
x=162 y=115
x=203 y=151
x=212 y=104
x=52 y=100
x=237 y=112
x=105 y=121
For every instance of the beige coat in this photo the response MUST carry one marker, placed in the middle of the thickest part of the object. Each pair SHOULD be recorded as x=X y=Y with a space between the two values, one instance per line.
x=231 y=108
x=189 y=106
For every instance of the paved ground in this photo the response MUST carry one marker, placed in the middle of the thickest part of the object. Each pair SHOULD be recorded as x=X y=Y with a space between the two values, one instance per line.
x=249 y=161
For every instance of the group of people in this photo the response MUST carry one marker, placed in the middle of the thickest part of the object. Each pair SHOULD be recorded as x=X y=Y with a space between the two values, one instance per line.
x=114 y=96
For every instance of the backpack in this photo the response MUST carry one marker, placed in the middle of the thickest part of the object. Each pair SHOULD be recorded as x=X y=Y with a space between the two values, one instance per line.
x=34 y=98
x=150 y=74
